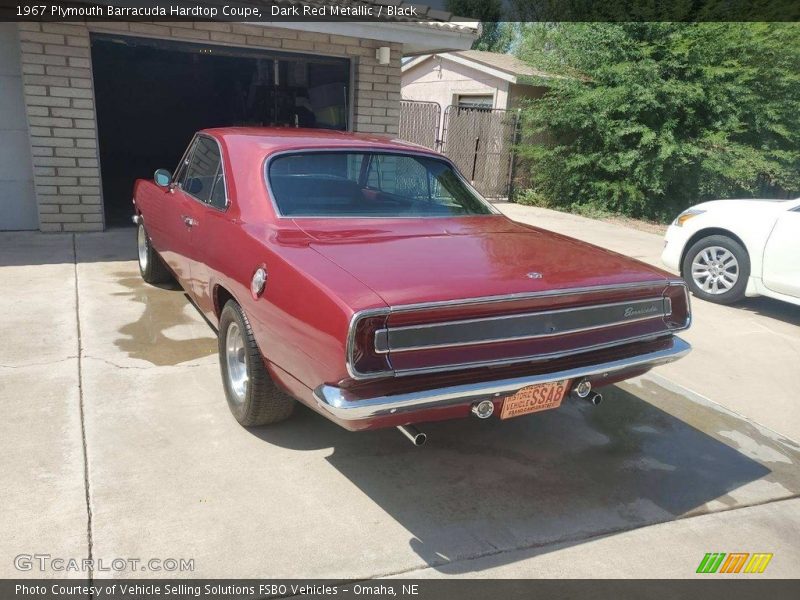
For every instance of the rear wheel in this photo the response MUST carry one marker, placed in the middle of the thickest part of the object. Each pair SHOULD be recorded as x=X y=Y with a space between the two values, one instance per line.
x=151 y=266
x=716 y=268
x=253 y=397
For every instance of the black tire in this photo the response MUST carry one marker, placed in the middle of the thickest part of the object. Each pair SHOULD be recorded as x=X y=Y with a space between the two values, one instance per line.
x=732 y=294
x=261 y=402
x=151 y=267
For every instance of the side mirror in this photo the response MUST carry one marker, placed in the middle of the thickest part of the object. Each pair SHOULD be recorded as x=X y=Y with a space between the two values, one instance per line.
x=162 y=177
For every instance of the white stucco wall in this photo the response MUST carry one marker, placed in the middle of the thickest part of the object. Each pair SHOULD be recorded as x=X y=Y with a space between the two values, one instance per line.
x=441 y=80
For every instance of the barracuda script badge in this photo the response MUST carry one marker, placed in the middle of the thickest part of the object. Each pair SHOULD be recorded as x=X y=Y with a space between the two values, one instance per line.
x=636 y=312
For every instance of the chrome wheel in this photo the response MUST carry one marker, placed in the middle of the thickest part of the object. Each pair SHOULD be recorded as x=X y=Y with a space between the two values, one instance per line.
x=715 y=270
x=141 y=243
x=236 y=361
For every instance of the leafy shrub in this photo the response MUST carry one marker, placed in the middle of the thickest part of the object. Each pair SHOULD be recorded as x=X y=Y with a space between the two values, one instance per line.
x=646 y=119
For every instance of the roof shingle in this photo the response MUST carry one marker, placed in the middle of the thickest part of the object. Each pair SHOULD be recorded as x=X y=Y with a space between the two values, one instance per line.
x=504 y=62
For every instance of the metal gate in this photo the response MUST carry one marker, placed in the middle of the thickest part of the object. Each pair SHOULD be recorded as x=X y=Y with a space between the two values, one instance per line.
x=419 y=122
x=481 y=144
x=479 y=141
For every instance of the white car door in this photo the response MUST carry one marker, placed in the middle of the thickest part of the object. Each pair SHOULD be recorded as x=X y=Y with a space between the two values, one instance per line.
x=781 y=271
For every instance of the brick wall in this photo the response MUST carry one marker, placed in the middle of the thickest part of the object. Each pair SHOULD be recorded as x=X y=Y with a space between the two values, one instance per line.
x=59 y=97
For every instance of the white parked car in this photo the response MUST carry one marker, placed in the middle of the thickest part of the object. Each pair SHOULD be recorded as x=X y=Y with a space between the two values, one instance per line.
x=728 y=249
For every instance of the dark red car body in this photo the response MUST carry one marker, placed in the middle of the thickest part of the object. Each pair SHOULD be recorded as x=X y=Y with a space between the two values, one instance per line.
x=335 y=282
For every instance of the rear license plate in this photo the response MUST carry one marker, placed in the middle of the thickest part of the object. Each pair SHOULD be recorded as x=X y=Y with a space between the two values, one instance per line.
x=534 y=398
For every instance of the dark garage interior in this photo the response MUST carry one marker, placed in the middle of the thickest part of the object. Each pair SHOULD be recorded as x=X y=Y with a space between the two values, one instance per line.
x=152 y=95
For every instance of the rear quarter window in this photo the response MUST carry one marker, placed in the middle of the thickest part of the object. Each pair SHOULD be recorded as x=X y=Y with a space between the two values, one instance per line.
x=201 y=174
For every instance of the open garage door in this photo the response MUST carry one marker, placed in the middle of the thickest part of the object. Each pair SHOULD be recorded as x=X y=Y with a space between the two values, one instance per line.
x=152 y=95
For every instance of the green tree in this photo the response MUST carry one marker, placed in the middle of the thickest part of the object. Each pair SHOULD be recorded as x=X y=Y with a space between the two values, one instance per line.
x=652 y=117
x=496 y=36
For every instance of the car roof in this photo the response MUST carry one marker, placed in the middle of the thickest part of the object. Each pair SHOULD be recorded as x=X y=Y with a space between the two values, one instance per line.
x=273 y=139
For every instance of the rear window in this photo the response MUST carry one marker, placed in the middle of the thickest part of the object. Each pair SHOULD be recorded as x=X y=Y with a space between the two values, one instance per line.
x=369 y=184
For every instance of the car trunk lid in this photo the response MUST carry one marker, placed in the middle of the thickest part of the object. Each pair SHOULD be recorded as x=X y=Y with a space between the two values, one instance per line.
x=486 y=292
x=409 y=261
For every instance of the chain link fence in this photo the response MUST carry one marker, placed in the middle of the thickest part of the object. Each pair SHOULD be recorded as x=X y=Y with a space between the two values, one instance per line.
x=481 y=144
x=479 y=141
x=419 y=122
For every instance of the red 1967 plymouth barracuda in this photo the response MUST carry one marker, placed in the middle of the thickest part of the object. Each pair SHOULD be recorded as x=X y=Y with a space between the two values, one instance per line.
x=367 y=279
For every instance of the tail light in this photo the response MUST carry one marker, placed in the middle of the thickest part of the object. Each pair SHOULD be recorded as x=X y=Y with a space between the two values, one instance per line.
x=363 y=362
x=680 y=315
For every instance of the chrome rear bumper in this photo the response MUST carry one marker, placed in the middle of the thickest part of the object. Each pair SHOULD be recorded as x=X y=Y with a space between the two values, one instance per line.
x=343 y=405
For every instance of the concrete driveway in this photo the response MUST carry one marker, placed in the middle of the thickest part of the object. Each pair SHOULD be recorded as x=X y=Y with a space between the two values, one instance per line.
x=117 y=443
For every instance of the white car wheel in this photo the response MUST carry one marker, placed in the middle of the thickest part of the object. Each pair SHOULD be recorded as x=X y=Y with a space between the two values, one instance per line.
x=716 y=268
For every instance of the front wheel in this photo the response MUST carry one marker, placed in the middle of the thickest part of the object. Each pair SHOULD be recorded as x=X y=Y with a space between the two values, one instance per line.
x=253 y=397
x=716 y=268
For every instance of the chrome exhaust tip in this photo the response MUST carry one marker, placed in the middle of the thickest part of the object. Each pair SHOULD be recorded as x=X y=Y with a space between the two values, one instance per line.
x=483 y=409
x=582 y=389
x=412 y=433
x=595 y=398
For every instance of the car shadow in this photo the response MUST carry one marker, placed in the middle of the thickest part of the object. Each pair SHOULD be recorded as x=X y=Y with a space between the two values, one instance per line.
x=645 y=456
x=774 y=309
x=31 y=248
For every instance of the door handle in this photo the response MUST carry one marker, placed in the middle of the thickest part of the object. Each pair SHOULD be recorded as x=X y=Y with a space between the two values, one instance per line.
x=188 y=221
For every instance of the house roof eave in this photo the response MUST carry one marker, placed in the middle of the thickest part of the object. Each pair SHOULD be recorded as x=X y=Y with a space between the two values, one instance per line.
x=500 y=74
x=417 y=38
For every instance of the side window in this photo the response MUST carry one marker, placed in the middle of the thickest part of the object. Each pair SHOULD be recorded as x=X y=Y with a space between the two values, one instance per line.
x=180 y=173
x=218 y=193
x=446 y=189
x=201 y=174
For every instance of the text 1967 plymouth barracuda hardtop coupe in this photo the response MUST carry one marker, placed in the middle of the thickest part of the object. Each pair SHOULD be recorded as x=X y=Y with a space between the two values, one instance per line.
x=366 y=278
